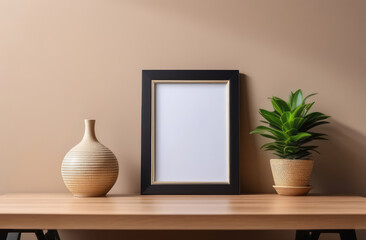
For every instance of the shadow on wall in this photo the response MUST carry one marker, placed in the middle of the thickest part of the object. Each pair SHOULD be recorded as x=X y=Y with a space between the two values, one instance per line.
x=248 y=164
x=340 y=169
x=251 y=169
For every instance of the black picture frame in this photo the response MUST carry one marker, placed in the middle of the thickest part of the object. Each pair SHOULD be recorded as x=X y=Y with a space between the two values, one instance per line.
x=233 y=186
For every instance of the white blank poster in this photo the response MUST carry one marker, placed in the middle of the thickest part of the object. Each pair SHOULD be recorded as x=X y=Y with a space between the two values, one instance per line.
x=191 y=133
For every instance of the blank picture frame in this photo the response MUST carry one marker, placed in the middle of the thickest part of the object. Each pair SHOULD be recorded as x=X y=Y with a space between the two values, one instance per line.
x=190 y=132
x=186 y=139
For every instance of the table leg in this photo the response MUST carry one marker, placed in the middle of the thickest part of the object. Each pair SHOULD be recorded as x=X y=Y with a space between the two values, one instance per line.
x=6 y=234
x=302 y=235
x=40 y=235
x=3 y=234
x=348 y=235
x=52 y=235
x=314 y=234
x=13 y=236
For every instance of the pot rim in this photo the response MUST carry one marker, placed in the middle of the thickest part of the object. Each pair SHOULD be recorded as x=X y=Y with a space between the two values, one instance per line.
x=295 y=160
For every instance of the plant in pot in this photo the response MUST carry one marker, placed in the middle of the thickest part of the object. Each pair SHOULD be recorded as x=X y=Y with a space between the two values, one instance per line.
x=290 y=127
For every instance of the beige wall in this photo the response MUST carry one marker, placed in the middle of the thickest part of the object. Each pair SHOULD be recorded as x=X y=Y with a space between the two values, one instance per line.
x=63 y=61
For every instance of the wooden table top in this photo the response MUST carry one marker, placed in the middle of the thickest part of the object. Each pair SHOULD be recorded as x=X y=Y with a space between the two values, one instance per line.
x=62 y=211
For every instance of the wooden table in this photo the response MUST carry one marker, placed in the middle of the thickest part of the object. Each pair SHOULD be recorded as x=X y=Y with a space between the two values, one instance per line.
x=244 y=212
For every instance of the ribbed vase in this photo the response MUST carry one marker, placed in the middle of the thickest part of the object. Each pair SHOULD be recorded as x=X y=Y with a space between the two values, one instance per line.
x=89 y=169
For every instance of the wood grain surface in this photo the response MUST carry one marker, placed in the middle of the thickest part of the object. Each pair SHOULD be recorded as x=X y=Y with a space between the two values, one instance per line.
x=62 y=211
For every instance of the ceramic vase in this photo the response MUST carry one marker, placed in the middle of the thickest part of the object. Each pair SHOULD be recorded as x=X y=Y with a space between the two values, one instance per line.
x=89 y=169
x=292 y=176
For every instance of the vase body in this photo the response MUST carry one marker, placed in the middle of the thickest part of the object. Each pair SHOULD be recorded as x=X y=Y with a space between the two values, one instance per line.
x=89 y=169
x=292 y=176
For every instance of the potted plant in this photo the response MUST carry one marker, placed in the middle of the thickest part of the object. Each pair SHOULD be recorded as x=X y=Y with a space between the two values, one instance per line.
x=289 y=126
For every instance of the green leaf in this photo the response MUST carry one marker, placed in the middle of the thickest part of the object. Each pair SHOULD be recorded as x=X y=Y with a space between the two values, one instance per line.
x=291 y=149
x=315 y=124
x=311 y=119
x=263 y=129
x=292 y=132
x=268 y=136
x=314 y=136
x=298 y=122
x=309 y=147
x=301 y=154
x=310 y=95
x=317 y=134
x=298 y=111
x=307 y=108
x=288 y=125
x=296 y=99
x=279 y=105
x=300 y=136
x=271 y=117
x=272 y=145
x=285 y=117
x=291 y=96
x=316 y=116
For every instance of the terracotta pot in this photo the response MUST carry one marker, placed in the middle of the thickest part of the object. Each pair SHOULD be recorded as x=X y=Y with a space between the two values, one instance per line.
x=89 y=169
x=288 y=173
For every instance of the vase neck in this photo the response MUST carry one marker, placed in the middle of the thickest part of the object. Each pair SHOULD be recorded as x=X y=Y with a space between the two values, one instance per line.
x=89 y=133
